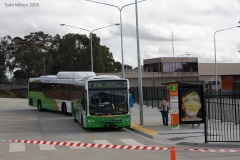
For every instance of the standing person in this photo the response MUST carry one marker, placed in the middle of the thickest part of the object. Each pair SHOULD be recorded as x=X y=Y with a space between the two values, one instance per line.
x=164 y=109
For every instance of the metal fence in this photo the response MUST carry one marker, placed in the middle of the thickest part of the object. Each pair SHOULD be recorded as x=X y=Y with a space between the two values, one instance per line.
x=222 y=117
x=152 y=96
x=222 y=111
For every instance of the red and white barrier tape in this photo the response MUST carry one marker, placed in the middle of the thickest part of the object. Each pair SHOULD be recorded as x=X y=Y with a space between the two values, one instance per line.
x=72 y=144
x=212 y=150
x=110 y=146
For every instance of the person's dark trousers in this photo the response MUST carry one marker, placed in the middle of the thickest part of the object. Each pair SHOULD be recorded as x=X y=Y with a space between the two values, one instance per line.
x=165 y=117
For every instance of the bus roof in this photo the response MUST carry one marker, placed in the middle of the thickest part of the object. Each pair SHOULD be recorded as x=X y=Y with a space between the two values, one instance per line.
x=74 y=75
x=77 y=78
x=101 y=77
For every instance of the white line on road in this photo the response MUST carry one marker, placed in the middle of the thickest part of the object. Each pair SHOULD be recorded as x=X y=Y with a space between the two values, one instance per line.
x=45 y=147
x=17 y=147
x=131 y=142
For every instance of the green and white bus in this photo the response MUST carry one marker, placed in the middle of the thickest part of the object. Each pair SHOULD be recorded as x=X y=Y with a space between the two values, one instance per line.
x=104 y=102
x=56 y=92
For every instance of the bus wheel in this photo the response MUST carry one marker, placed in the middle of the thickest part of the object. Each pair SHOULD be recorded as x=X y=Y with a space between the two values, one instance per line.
x=64 y=109
x=39 y=106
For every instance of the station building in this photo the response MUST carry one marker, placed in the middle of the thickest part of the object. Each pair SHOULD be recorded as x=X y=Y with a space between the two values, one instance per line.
x=157 y=71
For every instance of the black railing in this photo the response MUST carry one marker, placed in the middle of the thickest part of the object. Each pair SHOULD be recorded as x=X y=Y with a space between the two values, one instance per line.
x=222 y=111
x=222 y=117
x=152 y=96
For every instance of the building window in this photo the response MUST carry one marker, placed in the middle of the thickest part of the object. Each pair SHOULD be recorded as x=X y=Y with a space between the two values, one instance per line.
x=180 y=67
x=172 y=67
x=190 y=67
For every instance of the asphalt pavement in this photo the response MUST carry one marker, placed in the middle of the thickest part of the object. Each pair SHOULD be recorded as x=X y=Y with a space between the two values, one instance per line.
x=187 y=135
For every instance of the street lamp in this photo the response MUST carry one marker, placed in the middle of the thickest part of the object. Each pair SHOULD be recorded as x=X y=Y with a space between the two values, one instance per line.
x=120 y=10
x=216 y=51
x=140 y=95
x=90 y=34
x=186 y=54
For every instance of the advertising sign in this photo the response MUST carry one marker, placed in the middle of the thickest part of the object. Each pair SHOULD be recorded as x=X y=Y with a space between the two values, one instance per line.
x=173 y=90
x=191 y=104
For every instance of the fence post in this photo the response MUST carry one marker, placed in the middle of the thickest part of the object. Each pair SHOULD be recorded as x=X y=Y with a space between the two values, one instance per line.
x=157 y=99
x=173 y=153
x=152 y=95
x=221 y=108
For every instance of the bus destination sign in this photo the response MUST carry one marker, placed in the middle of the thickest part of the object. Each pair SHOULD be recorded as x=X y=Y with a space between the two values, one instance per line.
x=107 y=84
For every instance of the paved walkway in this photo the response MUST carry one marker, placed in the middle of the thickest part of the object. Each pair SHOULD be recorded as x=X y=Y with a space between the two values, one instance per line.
x=186 y=135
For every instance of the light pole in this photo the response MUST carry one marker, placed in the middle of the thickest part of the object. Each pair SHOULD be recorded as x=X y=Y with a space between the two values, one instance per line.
x=120 y=11
x=216 y=51
x=186 y=54
x=140 y=95
x=90 y=34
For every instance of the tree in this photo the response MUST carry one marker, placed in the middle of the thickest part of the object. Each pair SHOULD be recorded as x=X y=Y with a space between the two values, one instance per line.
x=39 y=53
x=73 y=53
x=5 y=54
x=102 y=58
x=117 y=67
x=126 y=66
x=31 y=53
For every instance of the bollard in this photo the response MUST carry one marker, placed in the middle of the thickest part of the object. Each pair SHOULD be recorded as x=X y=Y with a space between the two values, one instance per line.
x=173 y=153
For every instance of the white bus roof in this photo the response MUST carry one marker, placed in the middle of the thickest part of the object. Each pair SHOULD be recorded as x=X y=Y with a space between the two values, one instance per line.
x=74 y=75
x=101 y=77
x=49 y=77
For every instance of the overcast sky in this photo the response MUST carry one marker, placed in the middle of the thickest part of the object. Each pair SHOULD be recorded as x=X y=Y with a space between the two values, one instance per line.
x=191 y=23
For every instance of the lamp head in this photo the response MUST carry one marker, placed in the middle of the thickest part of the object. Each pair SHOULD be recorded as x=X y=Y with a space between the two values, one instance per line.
x=62 y=24
x=117 y=24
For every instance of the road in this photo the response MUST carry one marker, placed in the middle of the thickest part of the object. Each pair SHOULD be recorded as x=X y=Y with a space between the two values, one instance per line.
x=21 y=122
x=18 y=121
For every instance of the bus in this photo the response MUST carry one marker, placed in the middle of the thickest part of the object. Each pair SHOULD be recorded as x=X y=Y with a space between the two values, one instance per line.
x=56 y=92
x=104 y=102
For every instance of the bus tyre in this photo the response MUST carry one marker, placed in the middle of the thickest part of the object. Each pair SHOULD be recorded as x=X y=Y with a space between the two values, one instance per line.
x=39 y=106
x=64 y=109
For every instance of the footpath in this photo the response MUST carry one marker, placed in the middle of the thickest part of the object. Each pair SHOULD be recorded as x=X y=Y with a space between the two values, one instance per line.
x=187 y=135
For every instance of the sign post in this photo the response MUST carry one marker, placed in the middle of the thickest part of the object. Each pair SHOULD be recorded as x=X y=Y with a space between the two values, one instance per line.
x=173 y=90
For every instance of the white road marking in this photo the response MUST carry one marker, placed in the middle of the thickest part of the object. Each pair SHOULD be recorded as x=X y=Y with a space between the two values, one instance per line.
x=101 y=142
x=46 y=147
x=17 y=147
x=131 y=142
